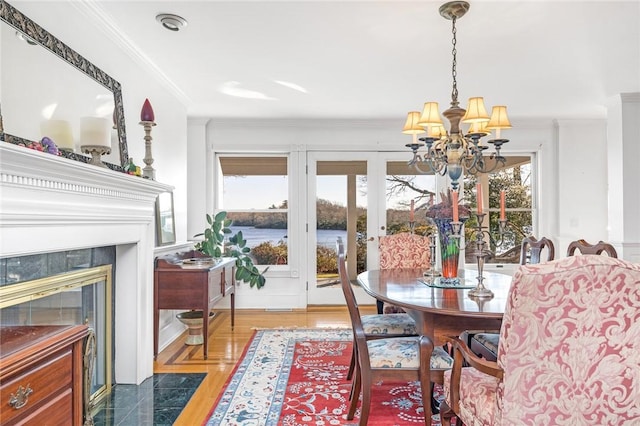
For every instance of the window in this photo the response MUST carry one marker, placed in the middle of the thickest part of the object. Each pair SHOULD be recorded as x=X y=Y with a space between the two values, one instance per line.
x=515 y=178
x=254 y=191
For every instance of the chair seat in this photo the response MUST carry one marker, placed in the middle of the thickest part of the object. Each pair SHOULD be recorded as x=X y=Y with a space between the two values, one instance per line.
x=404 y=352
x=485 y=345
x=477 y=396
x=391 y=324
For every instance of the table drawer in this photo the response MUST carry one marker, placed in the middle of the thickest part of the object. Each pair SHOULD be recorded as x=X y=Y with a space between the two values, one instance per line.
x=45 y=379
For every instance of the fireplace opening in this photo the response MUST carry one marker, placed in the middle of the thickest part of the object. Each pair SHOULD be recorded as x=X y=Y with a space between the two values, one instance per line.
x=82 y=295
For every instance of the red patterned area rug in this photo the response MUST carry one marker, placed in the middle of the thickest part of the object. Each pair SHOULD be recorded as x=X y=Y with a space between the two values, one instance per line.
x=298 y=378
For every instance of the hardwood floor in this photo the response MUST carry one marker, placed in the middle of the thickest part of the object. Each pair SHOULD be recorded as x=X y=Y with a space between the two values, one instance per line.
x=226 y=347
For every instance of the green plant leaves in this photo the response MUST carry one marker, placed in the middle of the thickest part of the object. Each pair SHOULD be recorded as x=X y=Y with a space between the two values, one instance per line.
x=213 y=245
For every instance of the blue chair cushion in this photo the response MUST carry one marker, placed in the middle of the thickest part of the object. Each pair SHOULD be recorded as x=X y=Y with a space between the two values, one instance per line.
x=404 y=352
x=390 y=324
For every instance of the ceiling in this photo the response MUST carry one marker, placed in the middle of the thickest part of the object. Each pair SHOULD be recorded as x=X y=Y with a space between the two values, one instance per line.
x=368 y=59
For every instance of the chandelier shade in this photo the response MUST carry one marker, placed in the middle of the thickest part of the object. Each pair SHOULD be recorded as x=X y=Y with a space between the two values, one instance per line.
x=452 y=152
x=430 y=115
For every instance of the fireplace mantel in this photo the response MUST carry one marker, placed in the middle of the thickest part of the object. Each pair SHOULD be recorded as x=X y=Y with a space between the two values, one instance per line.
x=50 y=203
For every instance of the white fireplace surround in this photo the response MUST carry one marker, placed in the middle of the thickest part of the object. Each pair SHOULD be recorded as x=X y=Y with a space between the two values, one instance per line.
x=50 y=204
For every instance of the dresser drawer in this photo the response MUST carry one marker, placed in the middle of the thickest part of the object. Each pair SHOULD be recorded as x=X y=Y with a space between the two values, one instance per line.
x=56 y=412
x=47 y=379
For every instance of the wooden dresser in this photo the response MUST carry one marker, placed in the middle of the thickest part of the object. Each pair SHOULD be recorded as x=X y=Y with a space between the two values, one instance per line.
x=178 y=285
x=41 y=374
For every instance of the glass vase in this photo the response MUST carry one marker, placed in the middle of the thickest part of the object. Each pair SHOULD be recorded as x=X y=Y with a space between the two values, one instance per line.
x=449 y=247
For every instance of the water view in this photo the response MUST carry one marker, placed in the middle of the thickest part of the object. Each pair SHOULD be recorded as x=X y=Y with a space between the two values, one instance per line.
x=255 y=236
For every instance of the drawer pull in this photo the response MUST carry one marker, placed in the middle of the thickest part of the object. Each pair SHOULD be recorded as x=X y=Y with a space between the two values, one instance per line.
x=21 y=397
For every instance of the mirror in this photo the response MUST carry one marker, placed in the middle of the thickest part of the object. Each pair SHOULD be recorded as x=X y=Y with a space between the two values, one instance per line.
x=62 y=86
x=165 y=224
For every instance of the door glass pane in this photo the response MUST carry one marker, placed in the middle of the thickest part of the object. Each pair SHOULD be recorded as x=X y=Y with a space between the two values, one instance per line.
x=341 y=211
x=404 y=185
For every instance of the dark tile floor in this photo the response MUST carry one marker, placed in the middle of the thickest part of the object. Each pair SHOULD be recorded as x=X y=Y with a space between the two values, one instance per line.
x=157 y=401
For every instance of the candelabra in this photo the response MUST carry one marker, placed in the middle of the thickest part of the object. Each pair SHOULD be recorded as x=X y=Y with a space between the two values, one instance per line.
x=481 y=253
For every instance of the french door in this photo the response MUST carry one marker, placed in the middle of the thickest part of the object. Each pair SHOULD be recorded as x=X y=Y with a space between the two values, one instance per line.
x=356 y=196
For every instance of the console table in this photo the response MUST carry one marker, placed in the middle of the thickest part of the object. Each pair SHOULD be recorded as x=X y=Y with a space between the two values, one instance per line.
x=41 y=374
x=199 y=286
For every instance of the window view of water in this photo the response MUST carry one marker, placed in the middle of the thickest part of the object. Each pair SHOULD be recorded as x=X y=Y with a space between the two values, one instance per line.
x=255 y=236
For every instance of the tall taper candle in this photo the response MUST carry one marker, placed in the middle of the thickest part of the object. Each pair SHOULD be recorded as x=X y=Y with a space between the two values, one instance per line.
x=479 y=197
x=502 y=198
x=412 y=212
x=454 y=201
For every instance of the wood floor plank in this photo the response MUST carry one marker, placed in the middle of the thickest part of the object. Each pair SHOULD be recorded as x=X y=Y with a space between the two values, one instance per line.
x=226 y=346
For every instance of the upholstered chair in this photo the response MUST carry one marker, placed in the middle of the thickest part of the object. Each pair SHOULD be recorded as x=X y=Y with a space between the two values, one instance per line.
x=393 y=358
x=485 y=343
x=379 y=326
x=568 y=351
x=403 y=250
x=585 y=248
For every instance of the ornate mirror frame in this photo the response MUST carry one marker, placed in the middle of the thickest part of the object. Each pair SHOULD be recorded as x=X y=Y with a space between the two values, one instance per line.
x=22 y=23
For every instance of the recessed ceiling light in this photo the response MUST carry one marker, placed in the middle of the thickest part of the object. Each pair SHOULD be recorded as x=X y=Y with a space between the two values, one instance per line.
x=171 y=22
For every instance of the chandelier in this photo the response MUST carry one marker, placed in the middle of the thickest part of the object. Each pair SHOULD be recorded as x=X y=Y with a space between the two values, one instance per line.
x=453 y=152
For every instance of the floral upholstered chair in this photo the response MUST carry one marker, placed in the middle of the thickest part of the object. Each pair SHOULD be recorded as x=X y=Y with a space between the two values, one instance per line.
x=389 y=358
x=403 y=250
x=568 y=353
x=378 y=326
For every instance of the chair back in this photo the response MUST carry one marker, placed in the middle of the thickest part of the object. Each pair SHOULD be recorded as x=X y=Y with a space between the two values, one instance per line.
x=569 y=343
x=360 y=339
x=404 y=250
x=349 y=295
x=585 y=248
x=533 y=248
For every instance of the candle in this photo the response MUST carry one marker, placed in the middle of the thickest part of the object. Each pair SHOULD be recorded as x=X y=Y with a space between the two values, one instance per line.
x=502 y=195
x=59 y=131
x=479 y=197
x=454 y=201
x=411 y=212
x=147 y=112
x=95 y=131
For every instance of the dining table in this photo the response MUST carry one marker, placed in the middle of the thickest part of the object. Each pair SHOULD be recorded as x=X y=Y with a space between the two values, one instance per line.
x=440 y=308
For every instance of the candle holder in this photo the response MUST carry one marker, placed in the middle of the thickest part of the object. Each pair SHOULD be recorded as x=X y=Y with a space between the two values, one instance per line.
x=432 y=255
x=482 y=253
x=148 y=171
x=96 y=152
x=412 y=226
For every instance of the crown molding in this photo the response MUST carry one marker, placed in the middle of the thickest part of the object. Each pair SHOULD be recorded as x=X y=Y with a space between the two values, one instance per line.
x=101 y=19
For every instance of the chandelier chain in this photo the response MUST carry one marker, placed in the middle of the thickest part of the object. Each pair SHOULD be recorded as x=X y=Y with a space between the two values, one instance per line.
x=454 y=73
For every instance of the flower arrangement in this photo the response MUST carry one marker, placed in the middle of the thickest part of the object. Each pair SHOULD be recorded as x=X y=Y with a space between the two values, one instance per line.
x=444 y=209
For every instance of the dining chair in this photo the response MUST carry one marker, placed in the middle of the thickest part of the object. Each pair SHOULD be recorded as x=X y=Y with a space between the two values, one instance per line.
x=585 y=248
x=377 y=326
x=393 y=358
x=402 y=250
x=531 y=249
x=485 y=343
x=568 y=351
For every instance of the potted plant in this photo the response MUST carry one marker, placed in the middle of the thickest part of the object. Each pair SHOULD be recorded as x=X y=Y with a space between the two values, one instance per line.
x=213 y=245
